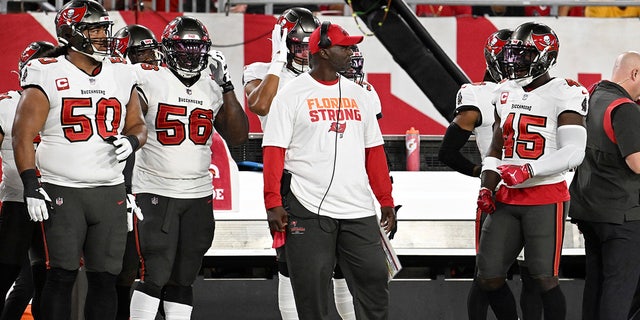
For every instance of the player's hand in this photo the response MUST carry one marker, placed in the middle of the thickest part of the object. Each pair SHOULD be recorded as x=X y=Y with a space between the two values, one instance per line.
x=132 y=208
x=279 y=45
x=515 y=174
x=485 y=201
x=37 y=200
x=125 y=145
x=220 y=70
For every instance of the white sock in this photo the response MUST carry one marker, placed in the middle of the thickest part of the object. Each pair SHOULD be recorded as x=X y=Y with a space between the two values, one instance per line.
x=344 y=301
x=176 y=311
x=143 y=306
x=286 y=301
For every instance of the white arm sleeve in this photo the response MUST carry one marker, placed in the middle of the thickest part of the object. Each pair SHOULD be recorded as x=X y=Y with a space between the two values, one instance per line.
x=572 y=141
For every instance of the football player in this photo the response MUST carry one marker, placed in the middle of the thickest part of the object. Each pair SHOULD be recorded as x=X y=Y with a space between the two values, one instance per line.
x=183 y=104
x=19 y=237
x=88 y=115
x=138 y=44
x=539 y=135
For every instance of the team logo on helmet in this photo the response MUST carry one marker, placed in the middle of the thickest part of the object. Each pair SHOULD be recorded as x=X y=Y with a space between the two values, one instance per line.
x=71 y=16
x=544 y=41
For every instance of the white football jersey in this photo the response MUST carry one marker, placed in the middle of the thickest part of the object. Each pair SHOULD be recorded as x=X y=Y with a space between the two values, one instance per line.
x=304 y=119
x=373 y=95
x=11 y=185
x=84 y=110
x=479 y=95
x=258 y=71
x=175 y=160
x=529 y=121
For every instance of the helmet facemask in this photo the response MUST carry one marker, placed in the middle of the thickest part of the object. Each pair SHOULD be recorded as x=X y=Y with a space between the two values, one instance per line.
x=525 y=63
x=186 y=57
x=355 y=71
x=298 y=57
x=89 y=40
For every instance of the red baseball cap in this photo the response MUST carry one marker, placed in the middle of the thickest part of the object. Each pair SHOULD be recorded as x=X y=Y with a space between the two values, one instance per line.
x=337 y=35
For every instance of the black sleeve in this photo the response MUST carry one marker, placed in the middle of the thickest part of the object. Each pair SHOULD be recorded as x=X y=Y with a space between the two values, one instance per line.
x=449 y=153
x=625 y=119
x=128 y=171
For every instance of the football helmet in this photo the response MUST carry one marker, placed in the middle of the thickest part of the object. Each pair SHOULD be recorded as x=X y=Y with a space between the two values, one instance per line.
x=85 y=26
x=185 y=45
x=355 y=71
x=33 y=51
x=300 y=23
x=531 y=50
x=137 y=43
x=494 y=53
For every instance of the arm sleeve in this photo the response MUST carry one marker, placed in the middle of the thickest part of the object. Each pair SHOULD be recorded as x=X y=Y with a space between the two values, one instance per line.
x=272 y=174
x=379 y=180
x=572 y=141
x=449 y=153
x=128 y=171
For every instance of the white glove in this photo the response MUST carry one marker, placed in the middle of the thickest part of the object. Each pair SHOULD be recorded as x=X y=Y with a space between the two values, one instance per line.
x=220 y=70
x=279 y=44
x=132 y=208
x=125 y=146
x=37 y=205
x=278 y=50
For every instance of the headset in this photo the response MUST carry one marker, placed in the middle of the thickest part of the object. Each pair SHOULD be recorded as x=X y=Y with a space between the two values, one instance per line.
x=325 y=41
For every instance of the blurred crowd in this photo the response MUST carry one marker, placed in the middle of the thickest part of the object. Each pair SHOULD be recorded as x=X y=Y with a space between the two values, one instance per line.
x=422 y=10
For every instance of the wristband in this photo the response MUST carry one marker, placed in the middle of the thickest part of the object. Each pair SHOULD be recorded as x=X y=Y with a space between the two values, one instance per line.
x=29 y=179
x=135 y=142
x=491 y=164
x=226 y=87
x=276 y=68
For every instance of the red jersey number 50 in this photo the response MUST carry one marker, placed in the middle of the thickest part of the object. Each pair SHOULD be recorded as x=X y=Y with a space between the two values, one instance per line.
x=76 y=121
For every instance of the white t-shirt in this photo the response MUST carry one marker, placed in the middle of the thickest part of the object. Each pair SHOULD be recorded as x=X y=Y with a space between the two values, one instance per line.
x=175 y=160
x=84 y=110
x=529 y=121
x=258 y=71
x=479 y=95
x=304 y=119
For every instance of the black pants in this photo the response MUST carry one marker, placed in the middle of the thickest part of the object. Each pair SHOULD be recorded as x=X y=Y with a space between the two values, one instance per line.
x=315 y=243
x=612 y=269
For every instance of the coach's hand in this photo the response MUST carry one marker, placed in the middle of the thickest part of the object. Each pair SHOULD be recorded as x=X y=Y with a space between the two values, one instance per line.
x=515 y=174
x=36 y=199
x=132 y=208
x=485 y=201
x=278 y=218
x=387 y=218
